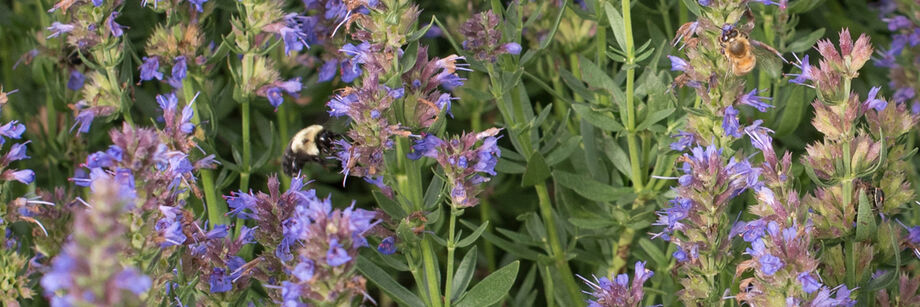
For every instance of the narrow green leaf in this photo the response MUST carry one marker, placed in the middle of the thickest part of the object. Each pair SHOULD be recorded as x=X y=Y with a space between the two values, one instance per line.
x=474 y=236
x=595 y=76
x=389 y=206
x=491 y=289
x=654 y=118
x=616 y=24
x=693 y=6
x=806 y=42
x=653 y=252
x=464 y=273
x=386 y=283
x=577 y=87
x=600 y=119
x=590 y=188
x=518 y=250
x=408 y=58
x=563 y=151
x=616 y=155
x=592 y=223
x=508 y=167
x=537 y=170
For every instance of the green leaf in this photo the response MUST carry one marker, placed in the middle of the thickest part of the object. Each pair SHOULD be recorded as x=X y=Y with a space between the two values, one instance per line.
x=600 y=119
x=792 y=112
x=491 y=289
x=865 y=219
x=654 y=118
x=386 y=283
x=577 y=87
x=590 y=188
x=595 y=76
x=619 y=158
x=464 y=273
x=389 y=206
x=518 y=250
x=616 y=24
x=592 y=223
x=474 y=236
x=693 y=6
x=806 y=42
x=537 y=170
x=433 y=194
x=509 y=167
x=563 y=151
x=653 y=252
x=408 y=58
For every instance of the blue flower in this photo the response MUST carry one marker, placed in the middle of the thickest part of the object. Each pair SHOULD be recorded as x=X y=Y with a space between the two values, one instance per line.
x=290 y=292
x=809 y=284
x=25 y=176
x=340 y=106
x=678 y=64
x=12 y=129
x=337 y=255
x=132 y=280
x=904 y=94
x=704 y=2
x=76 y=80
x=512 y=48
x=327 y=71
x=304 y=270
x=149 y=69
x=873 y=103
x=488 y=154
x=758 y=102
x=219 y=281
x=425 y=147
x=113 y=26
x=58 y=28
x=684 y=140
x=179 y=71
x=17 y=152
x=760 y=136
x=60 y=275
x=241 y=205
x=387 y=246
x=97 y=3
x=898 y=22
x=198 y=4
x=730 y=122
x=807 y=71
x=769 y=264
x=274 y=96
x=680 y=255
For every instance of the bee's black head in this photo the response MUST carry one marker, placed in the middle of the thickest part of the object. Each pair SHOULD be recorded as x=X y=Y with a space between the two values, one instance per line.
x=728 y=33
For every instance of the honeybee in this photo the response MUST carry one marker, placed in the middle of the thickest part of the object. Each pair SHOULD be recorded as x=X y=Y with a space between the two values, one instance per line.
x=739 y=50
x=310 y=144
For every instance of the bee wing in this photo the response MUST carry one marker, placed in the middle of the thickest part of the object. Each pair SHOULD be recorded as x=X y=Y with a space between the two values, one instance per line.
x=768 y=58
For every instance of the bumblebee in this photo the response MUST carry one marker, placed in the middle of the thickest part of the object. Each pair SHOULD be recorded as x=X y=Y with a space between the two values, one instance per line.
x=310 y=144
x=739 y=50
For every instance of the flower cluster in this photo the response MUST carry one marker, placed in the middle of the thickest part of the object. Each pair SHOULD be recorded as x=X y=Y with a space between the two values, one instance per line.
x=619 y=292
x=484 y=36
x=314 y=246
x=901 y=56
x=693 y=220
x=463 y=164
x=89 y=270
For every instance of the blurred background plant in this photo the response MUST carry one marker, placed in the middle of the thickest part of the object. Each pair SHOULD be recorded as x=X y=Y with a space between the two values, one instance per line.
x=588 y=152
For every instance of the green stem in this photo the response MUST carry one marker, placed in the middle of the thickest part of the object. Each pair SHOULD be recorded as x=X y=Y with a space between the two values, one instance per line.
x=631 y=140
x=215 y=206
x=451 y=246
x=283 y=133
x=125 y=103
x=410 y=185
x=556 y=252
x=246 y=171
